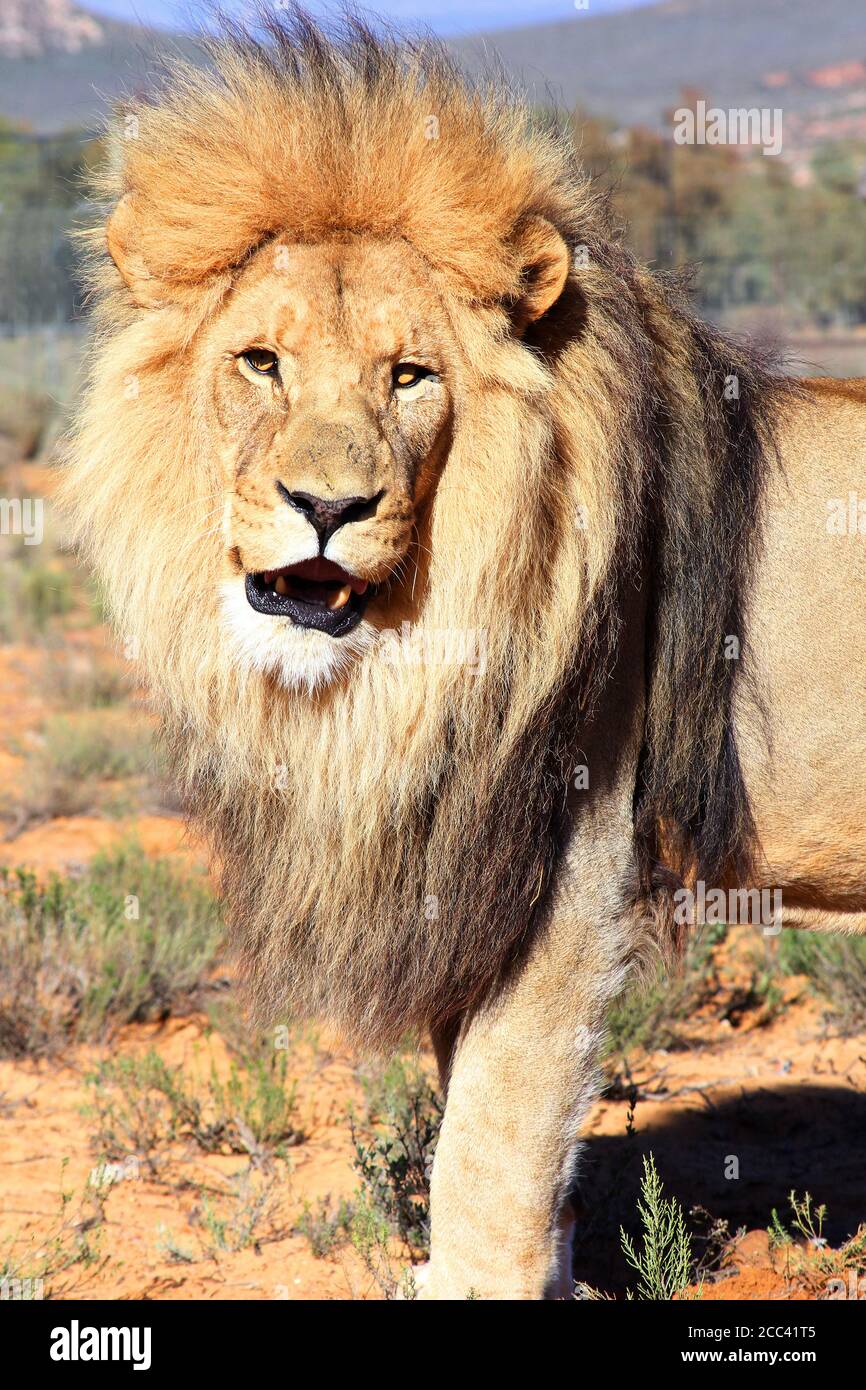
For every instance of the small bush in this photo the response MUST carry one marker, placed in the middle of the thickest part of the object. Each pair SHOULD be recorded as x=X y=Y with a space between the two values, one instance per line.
x=80 y=752
x=46 y=593
x=142 y=1104
x=32 y=1264
x=85 y=682
x=663 y=1265
x=131 y=939
x=371 y=1235
x=244 y=1215
x=836 y=967
x=395 y=1163
x=648 y=1014
x=34 y=591
x=326 y=1227
x=258 y=1101
x=807 y=1253
x=98 y=744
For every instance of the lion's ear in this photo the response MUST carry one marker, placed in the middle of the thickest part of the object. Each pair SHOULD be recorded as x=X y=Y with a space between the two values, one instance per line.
x=123 y=248
x=545 y=265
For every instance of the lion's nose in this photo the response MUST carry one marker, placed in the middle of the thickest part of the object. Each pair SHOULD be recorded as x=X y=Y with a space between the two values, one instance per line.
x=327 y=514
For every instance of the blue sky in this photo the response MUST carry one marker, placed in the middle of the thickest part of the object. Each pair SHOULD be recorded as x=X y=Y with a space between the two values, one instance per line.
x=445 y=16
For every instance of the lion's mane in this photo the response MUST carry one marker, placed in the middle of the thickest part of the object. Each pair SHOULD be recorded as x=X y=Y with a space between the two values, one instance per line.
x=388 y=844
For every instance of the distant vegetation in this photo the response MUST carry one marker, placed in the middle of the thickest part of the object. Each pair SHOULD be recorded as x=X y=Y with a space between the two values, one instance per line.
x=763 y=244
x=759 y=234
x=42 y=188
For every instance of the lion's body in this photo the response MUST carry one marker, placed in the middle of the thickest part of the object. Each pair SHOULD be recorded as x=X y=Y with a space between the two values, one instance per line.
x=804 y=752
x=593 y=493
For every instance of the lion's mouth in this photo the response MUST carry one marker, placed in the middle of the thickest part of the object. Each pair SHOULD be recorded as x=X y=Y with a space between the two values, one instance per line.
x=313 y=594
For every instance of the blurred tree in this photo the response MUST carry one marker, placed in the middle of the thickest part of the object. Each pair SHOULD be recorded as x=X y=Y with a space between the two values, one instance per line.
x=41 y=189
x=755 y=235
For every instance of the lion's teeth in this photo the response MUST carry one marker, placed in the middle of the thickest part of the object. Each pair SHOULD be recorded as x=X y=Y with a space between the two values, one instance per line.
x=342 y=596
x=281 y=586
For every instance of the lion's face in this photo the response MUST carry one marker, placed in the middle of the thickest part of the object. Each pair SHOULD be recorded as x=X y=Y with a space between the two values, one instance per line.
x=333 y=370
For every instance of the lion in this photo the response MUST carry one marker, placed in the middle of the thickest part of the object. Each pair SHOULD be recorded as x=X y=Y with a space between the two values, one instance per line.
x=489 y=598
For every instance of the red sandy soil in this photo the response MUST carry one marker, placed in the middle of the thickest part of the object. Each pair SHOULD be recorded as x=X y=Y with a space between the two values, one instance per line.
x=785 y=1099
x=64 y=844
x=41 y=1124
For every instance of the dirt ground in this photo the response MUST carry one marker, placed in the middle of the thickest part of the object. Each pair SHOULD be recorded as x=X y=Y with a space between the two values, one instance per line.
x=750 y=1104
x=788 y=1102
x=41 y=1125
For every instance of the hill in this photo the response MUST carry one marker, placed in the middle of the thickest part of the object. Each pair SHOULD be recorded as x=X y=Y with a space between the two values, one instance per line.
x=632 y=66
x=60 y=66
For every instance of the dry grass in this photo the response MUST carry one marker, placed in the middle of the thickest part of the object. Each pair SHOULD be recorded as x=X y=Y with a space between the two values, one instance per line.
x=131 y=939
x=836 y=969
x=85 y=761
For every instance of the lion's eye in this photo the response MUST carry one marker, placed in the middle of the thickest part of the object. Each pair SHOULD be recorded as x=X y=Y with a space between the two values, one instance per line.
x=261 y=361
x=407 y=374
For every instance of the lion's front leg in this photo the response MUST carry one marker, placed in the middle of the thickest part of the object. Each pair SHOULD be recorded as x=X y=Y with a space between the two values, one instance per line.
x=523 y=1073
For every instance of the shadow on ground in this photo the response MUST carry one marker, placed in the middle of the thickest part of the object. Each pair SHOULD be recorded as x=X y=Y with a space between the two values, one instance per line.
x=806 y=1138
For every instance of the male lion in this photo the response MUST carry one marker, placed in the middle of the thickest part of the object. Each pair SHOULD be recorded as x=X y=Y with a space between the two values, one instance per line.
x=489 y=597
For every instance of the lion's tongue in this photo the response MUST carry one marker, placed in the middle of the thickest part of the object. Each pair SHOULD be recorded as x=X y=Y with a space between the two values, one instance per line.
x=322 y=571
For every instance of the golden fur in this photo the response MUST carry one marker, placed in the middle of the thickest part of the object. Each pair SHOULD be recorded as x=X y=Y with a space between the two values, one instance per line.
x=390 y=837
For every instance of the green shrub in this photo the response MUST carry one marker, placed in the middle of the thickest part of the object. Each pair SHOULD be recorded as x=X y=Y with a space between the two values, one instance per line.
x=836 y=967
x=97 y=744
x=806 y=1248
x=648 y=1014
x=85 y=682
x=33 y=1262
x=35 y=590
x=396 y=1161
x=133 y=938
x=141 y=1104
x=325 y=1226
x=78 y=755
x=664 y=1263
x=245 y=1214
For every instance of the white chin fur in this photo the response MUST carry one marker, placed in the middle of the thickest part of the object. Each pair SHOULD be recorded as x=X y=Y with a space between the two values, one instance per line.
x=297 y=657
